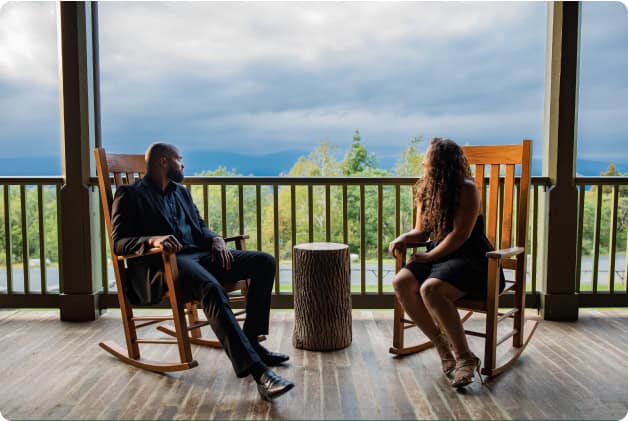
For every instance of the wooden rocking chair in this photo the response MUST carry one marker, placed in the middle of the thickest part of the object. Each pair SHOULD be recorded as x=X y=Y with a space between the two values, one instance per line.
x=126 y=169
x=509 y=256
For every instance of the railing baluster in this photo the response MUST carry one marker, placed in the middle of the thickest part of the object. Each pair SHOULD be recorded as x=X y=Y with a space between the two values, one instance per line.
x=258 y=219
x=626 y=267
x=500 y=215
x=103 y=251
x=327 y=213
x=206 y=203
x=59 y=239
x=380 y=215
x=535 y=233
x=7 y=238
x=515 y=214
x=241 y=208
x=612 y=240
x=223 y=208
x=276 y=233
x=580 y=219
x=310 y=212
x=345 y=226
x=25 y=263
x=596 y=235
x=397 y=210
x=42 y=239
x=362 y=241
x=293 y=214
x=413 y=207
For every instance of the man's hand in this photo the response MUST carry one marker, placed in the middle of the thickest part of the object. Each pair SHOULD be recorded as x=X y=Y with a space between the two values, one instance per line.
x=168 y=243
x=221 y=253
x=398 y=244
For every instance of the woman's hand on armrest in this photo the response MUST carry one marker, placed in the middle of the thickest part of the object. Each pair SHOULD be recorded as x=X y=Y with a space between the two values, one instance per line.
x=409 y=239
x=398 y=244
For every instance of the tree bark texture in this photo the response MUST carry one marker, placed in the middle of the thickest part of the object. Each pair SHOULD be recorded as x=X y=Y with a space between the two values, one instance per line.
x=322 y=296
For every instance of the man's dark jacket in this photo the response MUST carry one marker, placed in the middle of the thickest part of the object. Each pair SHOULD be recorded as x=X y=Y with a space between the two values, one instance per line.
x=137 y=214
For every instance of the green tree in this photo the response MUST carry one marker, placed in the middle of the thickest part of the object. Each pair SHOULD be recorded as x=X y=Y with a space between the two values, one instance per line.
x=357 y=158
x=410 y=163
x=320 y=162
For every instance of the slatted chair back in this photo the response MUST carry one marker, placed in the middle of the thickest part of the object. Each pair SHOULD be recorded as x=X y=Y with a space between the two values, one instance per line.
x=117 y=168
x=500 y=198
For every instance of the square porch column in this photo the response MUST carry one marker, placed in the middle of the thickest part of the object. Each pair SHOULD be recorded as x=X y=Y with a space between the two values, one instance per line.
x=559 y=300
x=80 y=214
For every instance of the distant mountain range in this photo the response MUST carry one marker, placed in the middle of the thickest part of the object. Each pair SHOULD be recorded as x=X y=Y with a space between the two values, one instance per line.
x=261 y=165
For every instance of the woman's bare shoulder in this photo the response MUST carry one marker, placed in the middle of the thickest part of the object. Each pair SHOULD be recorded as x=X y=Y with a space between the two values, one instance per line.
x=469 y=193
x=468 y=185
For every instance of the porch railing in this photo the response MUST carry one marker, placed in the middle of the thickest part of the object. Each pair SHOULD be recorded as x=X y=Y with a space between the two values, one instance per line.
x=277 y=212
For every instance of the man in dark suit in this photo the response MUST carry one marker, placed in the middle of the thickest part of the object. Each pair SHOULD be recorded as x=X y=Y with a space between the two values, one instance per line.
x=157 y=211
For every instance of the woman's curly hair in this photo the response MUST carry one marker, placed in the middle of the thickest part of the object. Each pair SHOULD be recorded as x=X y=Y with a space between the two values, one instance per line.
x=438 y=191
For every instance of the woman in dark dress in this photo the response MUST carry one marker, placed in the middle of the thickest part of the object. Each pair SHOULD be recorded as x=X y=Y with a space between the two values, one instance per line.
x=455 y=263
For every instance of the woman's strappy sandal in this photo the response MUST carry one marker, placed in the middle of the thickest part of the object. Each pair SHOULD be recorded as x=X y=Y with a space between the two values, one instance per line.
x=466 y=366
x=447 y=360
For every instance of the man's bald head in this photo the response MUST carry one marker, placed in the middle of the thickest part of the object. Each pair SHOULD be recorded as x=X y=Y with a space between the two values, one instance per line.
x=164 y=162
x=159 y=150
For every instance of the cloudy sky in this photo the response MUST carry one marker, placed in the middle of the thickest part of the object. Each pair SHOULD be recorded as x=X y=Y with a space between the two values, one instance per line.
x=268 y=77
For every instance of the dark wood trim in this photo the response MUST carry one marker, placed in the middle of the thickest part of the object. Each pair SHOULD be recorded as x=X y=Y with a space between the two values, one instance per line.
x=31 y=180
x=30 y=300
x=603 y=299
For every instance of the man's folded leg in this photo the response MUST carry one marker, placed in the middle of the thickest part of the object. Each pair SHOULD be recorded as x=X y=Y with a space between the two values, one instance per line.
x=247 y=359
x=244 y=357
x=259 y=267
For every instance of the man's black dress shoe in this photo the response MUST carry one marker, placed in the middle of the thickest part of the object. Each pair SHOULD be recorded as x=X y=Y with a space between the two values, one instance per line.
x=270 y=358
x=271 y=385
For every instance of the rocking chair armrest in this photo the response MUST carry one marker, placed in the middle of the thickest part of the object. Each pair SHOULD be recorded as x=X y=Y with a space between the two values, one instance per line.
x=417 y=244
x=504 y=253
x=400 y=258
x=237 y=237
x=411 y=246
x=154 y=250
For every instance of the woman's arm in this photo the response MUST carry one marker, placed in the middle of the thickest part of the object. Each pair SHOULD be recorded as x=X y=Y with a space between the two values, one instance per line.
x=415 y=236
x=464 y=220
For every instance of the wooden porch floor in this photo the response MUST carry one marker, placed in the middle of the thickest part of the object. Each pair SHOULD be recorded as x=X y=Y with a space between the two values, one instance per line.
x=55 y=370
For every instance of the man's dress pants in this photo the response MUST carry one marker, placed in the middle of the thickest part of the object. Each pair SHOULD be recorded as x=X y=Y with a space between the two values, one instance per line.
x=201 y=279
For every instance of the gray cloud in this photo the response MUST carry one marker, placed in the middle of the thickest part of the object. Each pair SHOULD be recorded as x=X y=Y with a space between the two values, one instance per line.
x=264 y=77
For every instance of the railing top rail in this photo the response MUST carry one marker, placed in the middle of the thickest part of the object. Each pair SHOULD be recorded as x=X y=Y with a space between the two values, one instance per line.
x=30 y=180
x=282 y=180
x=602 y=180
x=342 y=180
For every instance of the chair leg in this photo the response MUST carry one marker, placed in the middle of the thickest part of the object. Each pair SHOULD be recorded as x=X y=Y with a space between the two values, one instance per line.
x=520 y=303
x=178 y=310
x=192 y=312
x=130 y=331
x=492 y=305
x=398 y=328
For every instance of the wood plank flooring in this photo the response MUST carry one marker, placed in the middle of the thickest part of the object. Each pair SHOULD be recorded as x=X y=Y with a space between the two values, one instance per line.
x=55 y=370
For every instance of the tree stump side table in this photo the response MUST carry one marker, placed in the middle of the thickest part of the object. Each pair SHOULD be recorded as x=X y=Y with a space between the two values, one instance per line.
x=322 y=296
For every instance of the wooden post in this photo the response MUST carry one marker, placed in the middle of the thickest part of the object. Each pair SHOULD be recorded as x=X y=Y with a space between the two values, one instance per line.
x=322 y=296
x=559 y=298
x=79 y=205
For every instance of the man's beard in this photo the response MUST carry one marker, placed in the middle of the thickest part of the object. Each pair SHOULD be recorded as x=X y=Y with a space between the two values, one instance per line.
x=175 y=175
